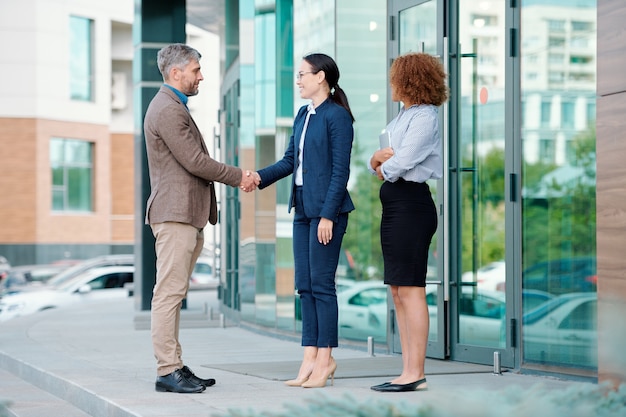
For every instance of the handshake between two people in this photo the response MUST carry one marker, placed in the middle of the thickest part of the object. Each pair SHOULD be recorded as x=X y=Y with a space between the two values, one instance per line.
x=250 y=180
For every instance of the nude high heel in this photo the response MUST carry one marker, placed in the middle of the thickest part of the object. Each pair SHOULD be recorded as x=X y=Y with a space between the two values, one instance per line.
x=321 y=382
x=296 y=382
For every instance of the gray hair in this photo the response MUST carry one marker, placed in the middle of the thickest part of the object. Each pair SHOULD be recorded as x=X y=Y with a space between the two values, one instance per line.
x=176 y=55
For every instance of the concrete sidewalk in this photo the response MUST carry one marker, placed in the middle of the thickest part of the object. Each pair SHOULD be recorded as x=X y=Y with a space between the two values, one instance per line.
x=92 y=361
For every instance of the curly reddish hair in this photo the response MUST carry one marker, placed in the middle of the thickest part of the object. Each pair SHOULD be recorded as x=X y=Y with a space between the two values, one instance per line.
x=419 y=78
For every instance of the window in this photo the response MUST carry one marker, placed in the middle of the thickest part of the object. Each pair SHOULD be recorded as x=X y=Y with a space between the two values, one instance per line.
x=546 y=151
x=591 y=112
x=546 y=109
x=112 y=280
x=482 y=20
x=556 y=76
x=556 y=25
x=72 y=172
x=556 y=42
x=567 y=114
x=579 y=42
x=580 y=59
x=81 y=58
x=582 y=26
x=556 y=58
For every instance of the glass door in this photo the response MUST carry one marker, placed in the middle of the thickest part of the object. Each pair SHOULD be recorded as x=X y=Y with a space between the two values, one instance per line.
x=417 y=26
x=478 y=203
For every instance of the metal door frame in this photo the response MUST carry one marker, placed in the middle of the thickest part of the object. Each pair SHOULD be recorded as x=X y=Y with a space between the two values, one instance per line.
x=447 y=42
x=436 y=348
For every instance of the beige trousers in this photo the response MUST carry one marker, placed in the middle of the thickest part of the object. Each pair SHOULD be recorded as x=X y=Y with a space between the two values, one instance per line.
x=178 y=246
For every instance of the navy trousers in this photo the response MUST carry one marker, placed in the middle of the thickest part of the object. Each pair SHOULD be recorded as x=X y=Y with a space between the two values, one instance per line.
x=315 y=268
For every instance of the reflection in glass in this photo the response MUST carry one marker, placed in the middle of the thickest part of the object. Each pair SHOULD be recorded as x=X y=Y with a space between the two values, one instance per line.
x=418 y=29
x=417 y=26
x=481 y=141
x=354 y=33
x=363 y=311
x=558 y=81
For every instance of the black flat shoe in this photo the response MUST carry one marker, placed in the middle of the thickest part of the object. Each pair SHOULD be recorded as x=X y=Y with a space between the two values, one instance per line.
x=376 y=387
x=191 y=377
x=176 y=382
x=412 y=386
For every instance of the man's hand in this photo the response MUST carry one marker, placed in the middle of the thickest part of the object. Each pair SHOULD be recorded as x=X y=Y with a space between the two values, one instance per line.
x=249 y=180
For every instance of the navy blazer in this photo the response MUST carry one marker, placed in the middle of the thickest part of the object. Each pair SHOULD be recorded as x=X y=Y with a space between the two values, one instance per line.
x=325 y=164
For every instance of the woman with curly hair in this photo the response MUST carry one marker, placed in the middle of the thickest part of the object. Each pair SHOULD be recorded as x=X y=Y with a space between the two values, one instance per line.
x=409 y=218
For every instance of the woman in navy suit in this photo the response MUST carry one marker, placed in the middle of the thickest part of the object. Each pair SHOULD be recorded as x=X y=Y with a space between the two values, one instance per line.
x=318 y=156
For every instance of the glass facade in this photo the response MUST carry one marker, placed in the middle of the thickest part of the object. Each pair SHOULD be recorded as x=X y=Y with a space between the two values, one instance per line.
x=534 y=94
x=480 y=147
x=558 y=90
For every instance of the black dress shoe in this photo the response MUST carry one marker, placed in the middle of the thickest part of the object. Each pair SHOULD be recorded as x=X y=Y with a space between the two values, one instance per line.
x=191 y=377
x=412 y=386
x=176 y=382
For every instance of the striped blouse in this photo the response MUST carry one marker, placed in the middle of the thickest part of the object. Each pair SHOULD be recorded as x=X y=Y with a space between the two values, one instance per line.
x=416 y=145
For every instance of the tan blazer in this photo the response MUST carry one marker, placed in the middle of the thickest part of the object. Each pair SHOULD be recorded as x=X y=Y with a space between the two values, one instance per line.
x=181 y=170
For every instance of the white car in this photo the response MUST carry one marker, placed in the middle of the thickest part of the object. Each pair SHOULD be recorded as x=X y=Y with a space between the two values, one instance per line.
x=363 y=313
x=563 y=330
x=96 y=283
x=481 y=316
x=490 y=277
x=342 y=284
x=203 y=274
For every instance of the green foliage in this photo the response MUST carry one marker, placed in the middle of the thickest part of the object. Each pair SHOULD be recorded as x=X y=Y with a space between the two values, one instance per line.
x=362 y=238
x=564 y=225
x=482 y=210
x=578 y=400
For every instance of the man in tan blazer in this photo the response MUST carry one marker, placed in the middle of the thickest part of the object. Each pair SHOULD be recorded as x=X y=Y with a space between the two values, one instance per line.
x=182 y=201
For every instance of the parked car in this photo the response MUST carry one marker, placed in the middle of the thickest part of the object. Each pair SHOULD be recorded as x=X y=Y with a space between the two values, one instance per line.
x=343 y=284
x=563 y=331
x=532 y=299
x=560 y=276
x=481 y=316
x=363 y=311
x=20 y=276
x=4 y=268
x=93 y=284
x=96 y=262
x=556 y=276
x=490 y=277
x=483 y=312
x=203 y=274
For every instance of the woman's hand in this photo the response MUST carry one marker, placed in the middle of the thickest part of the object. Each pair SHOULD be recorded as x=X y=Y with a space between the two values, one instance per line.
x=325 y=231
x=379 y=173
x=380 y=156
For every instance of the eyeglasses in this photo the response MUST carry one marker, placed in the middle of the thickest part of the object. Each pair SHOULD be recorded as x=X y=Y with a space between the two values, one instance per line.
x=301 y=73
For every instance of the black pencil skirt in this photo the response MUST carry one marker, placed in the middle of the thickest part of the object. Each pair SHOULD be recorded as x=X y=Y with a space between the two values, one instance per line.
x=407 y=227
